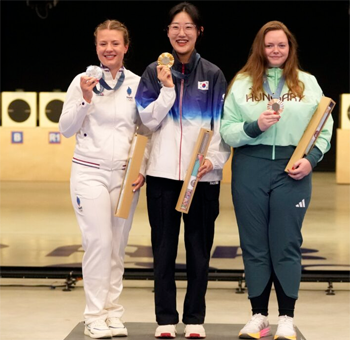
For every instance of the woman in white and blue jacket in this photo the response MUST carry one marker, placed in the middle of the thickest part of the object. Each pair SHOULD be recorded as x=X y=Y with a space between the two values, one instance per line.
x=175 y=104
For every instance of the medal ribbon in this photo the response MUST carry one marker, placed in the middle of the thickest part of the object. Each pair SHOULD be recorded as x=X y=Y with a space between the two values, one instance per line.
x=104 y=85
x=178 y=74
x=278 y=91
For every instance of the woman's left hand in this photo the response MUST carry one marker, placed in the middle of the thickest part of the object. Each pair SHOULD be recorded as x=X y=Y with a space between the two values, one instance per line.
x=140 y=181
x=204 y=168
x=301 y=168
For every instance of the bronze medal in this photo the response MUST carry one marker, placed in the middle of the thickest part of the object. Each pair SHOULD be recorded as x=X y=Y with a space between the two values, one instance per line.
x=275 y=105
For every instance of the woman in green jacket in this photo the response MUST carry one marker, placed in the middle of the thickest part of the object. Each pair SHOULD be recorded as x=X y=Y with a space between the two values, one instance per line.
x=267 y=107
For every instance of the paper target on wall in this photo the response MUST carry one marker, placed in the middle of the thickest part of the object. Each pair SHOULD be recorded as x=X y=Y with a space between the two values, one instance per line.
x=50 y=108
x=345 y=111
x=19 y=109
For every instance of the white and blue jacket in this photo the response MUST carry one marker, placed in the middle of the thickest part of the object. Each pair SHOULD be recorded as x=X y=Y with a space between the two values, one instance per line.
x=176 y=115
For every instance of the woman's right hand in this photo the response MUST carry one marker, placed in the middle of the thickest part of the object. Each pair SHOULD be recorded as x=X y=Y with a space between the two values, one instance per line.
x=267 y=119
x=87 y=84
x=164 y=75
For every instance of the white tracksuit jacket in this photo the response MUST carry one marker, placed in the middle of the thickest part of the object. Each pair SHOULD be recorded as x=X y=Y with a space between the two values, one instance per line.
x=101 y=127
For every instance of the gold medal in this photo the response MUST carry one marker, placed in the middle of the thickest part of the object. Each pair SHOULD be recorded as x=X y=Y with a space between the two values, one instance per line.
x=166 y=59
x=275 y=105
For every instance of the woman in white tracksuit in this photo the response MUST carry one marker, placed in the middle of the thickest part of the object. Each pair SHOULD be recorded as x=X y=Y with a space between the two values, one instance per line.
x=102 y=115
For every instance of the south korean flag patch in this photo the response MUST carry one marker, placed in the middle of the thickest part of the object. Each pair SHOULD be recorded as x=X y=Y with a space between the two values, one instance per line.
x=203 y=85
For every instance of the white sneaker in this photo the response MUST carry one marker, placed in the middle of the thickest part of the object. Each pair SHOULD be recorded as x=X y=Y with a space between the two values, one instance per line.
x=166 y=332
x=194 y=332
x=285 y=329
x=117 y=327
x=98 y=330
x=256 y=328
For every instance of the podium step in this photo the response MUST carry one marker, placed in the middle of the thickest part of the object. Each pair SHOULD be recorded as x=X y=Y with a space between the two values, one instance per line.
x=145 y=331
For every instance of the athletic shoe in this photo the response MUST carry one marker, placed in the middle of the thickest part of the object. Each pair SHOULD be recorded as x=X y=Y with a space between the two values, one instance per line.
x=194 y=332
x=98 y=330
x=117 y=327
x=166 y=332
x=256 y=328
x=285 y=329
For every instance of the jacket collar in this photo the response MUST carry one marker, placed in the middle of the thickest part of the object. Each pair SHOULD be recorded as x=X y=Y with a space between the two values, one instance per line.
x=183 y=71
x=190 y=66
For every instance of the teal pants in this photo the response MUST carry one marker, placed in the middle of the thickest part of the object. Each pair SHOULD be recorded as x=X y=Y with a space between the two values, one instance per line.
x=270 y=208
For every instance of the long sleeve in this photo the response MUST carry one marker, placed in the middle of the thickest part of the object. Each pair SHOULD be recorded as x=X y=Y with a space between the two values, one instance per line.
x=175 y=116
x=153 y=101
x=323 y=141
x=74 y=110
x=144 y=131
x=232 y=124
x=218 y=151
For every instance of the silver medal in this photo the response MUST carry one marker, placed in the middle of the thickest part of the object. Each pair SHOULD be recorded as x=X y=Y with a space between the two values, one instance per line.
x=94 y=71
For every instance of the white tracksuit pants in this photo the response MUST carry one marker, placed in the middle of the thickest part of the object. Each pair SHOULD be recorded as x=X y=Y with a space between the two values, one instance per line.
x=94 y=194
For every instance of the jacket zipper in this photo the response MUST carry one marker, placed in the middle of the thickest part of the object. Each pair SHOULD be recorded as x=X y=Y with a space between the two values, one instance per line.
x=274 y=127
x=180 y=112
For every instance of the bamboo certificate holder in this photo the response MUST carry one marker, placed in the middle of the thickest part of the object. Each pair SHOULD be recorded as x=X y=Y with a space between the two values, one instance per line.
x=132 y=170
x=312 y=131
x=190 y=182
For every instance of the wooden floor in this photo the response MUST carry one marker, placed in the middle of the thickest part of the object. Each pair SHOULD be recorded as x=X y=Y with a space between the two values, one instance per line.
x=38 y=228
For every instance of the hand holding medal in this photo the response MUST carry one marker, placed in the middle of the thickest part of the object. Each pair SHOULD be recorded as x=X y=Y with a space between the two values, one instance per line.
x=93 y=75
x=94 y=71
x=275 y=103
x=165 y=62
x=267 y=118
x=89 y=81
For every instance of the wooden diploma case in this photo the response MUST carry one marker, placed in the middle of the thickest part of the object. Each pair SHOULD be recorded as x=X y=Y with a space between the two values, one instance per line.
x=132 y=170
x=190 y=182
x=312 y=131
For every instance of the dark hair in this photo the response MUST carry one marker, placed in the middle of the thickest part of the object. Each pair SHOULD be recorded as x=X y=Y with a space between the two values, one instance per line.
x=191 y=10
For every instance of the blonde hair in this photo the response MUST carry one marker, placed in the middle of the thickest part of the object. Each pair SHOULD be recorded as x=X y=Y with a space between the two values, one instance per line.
x=114 y=25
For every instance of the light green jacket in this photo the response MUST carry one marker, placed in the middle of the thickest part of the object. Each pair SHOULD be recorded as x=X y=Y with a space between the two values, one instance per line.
x=241 y=108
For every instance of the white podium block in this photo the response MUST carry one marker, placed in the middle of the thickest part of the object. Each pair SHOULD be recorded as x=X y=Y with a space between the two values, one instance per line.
x=50 y=108
x=19 y=109
x=345 y=111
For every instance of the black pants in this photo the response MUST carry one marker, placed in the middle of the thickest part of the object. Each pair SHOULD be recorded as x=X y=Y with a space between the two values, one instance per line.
x=162 y=196
x=286 y=304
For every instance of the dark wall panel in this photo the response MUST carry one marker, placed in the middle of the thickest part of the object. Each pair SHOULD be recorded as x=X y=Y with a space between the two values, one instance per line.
x=42 y=49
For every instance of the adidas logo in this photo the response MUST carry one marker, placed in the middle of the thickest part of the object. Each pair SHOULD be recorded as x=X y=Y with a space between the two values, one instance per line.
x=301 y=204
